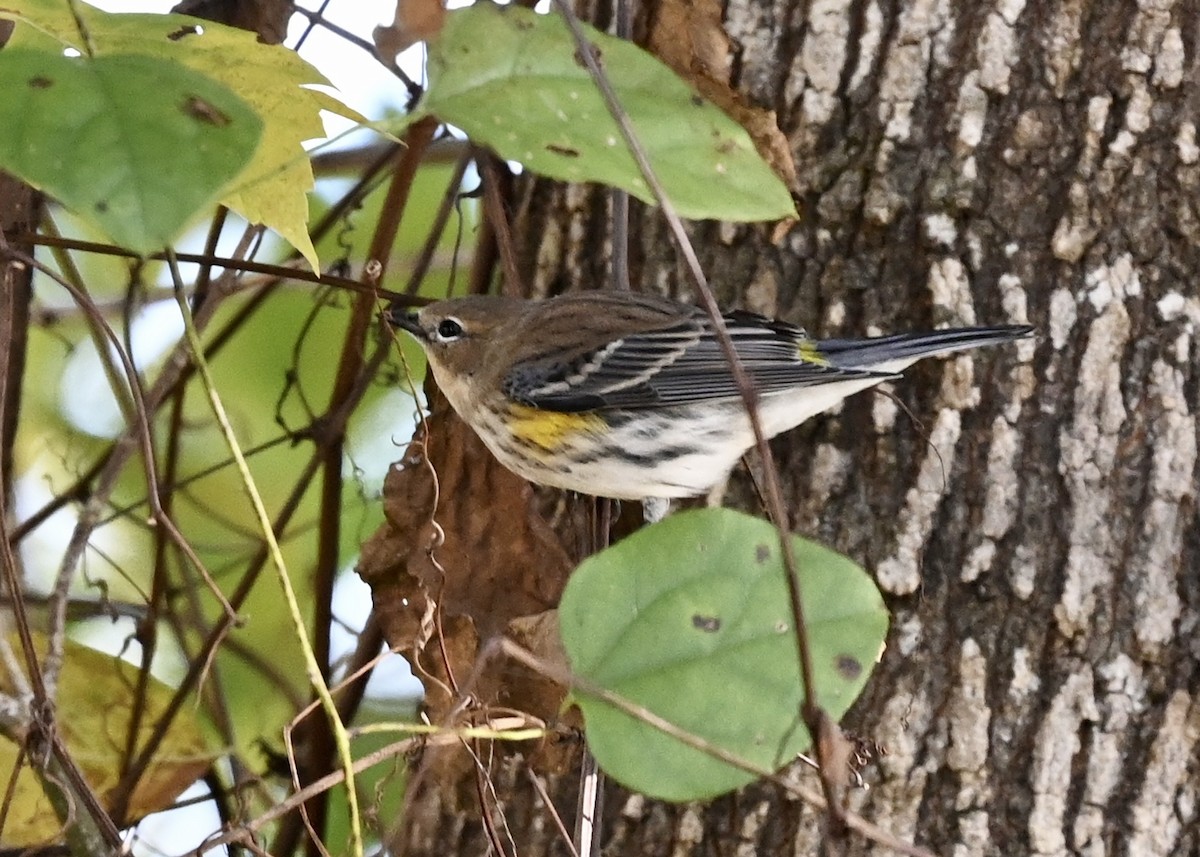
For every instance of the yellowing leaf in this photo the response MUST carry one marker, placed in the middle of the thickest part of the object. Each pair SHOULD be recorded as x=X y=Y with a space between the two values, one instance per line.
x=272 y=189
x=134 y=144
x=95 y=703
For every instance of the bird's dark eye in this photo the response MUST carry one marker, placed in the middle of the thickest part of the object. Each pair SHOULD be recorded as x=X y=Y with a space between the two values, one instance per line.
x=449 y=329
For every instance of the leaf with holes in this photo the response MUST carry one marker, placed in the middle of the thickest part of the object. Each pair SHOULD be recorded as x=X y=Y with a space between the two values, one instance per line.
x=513 y=81
x=690 y=619
x=272 y=188
x=135 y=144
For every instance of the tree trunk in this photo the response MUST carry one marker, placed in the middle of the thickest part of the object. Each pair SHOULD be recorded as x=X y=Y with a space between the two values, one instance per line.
x=1029 y=511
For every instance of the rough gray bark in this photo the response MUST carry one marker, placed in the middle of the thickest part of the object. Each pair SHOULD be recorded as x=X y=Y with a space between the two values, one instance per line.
x=1033 y=524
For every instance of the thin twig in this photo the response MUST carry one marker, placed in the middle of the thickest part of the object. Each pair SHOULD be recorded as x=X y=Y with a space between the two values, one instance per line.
x=244 y=265
x=414 y=90
x=77 y=491
x=312 y=667
x=810 y=709
x=492 y=171
x=589 y=807
x=177 y=369
x=453 y=189
x=142 y=438
x=620 y=197
x=65 y=786
x=580 y=685
x=437 y=737
x=563 y=833
x=147 y=626
x=176 y=485
x=351 y=371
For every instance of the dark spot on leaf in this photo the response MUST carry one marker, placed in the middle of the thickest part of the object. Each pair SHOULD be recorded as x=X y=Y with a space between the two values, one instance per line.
x=708 y=624
x=762 y=553
x=204 y=111
x=697 y=101
x=40 y=82
x=102 y=206
x=596 y=55
x=565 y=151
x=848 y=667
x=182 y=32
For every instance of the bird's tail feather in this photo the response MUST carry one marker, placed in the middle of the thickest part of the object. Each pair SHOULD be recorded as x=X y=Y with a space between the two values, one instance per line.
x=904 y=348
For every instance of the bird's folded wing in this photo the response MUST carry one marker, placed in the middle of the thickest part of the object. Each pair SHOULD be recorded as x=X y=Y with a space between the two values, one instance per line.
x=678 y=365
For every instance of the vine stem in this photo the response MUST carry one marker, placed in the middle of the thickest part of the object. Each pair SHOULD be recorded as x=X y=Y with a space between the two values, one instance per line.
x=815 y=718
x=341 y=738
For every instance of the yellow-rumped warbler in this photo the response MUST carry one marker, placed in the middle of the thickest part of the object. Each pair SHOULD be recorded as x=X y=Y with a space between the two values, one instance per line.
x=627 y=395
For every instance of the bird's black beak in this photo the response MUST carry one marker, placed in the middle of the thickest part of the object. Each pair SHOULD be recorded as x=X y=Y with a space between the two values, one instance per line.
x=406 y=319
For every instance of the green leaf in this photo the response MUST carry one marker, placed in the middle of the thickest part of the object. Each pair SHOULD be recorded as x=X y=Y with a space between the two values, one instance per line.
x=690 y=619
x=511 y=80
x=273 y=188
x=135 y=144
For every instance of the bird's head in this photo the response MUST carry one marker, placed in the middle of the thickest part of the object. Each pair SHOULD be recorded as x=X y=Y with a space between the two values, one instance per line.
x=462 y=338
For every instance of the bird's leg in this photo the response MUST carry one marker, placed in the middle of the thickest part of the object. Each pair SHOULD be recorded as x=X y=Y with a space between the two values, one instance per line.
x=654 y=509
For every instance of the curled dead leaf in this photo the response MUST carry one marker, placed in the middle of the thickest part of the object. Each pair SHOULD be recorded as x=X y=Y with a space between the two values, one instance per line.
x=464 y=545
x=414 y=21
x=689 y=36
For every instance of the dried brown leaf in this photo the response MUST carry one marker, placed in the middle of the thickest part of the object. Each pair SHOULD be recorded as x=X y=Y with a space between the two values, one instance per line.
x=415 y=21
x=268 y=18
x=835 y=751
x=688 y=35
x=483 y=557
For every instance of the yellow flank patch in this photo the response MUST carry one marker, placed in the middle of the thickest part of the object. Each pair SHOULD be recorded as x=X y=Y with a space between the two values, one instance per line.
x=551 y=430
x=808 y=353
